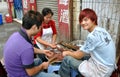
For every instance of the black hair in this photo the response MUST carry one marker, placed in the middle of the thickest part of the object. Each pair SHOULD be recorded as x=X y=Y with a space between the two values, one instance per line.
x=32 y=18
x=47 y=11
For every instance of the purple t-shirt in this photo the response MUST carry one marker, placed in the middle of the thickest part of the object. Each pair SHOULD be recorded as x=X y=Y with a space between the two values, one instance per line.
x=17 y=54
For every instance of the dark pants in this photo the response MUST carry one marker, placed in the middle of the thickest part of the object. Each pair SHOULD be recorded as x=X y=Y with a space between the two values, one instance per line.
x=41 y=56
x=3 y=73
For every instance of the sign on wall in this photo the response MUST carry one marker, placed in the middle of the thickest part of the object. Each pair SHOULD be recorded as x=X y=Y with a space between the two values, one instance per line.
x=63 y=19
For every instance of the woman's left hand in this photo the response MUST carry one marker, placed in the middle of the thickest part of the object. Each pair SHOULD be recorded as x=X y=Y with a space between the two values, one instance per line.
x=53 y=46
x=48 y=53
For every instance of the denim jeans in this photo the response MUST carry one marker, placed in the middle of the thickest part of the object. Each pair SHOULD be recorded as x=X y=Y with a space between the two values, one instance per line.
x=42 y=73
x=69 y=63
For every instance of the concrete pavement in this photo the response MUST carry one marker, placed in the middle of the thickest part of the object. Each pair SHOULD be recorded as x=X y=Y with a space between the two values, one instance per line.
x=6 y=29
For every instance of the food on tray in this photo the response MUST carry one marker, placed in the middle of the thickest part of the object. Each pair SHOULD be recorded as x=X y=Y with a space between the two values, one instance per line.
x=70 y=46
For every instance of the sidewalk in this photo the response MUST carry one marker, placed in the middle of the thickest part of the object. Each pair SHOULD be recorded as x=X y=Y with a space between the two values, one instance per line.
x=6 y=29
x=19 y=21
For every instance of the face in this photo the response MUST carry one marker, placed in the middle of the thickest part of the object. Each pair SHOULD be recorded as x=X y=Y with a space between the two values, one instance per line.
x=87 y=24
x=36 y=30
x=47 y=18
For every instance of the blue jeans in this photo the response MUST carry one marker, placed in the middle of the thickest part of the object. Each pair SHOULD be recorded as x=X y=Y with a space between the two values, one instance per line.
x=42 y=73
x=19 y=14
x=69 y=63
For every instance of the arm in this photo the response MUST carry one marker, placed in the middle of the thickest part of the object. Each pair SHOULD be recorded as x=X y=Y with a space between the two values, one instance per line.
x=34 y=70
x=54 y=32
x=37 y=38
x=38 y=51
x=43 y=42
x=27 y=60
x=54 y=38
x=76 y=54
x=46 y=52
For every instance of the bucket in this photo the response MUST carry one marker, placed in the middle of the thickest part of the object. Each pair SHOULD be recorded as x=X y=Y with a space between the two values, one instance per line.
x=8 y=18
x=1 y=21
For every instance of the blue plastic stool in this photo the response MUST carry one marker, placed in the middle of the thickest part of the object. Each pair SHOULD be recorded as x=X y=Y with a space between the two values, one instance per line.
x=53 y=68
x=1 y=21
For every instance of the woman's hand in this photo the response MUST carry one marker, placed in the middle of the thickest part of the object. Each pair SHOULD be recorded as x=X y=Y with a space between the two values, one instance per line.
x=48 y=53
x=53 y=46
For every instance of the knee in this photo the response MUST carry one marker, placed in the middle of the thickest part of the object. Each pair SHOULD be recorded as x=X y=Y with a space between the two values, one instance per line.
x=67 y=58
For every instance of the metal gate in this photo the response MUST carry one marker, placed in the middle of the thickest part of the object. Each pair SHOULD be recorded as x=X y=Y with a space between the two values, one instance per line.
x=53 y=4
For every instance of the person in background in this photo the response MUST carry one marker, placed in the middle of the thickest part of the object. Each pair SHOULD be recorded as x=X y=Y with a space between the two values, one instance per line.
x=19 y=51
x=98 y=44
x=46 y=38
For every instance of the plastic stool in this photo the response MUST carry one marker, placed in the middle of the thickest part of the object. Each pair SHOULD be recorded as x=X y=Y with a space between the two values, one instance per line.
x=52 y=68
